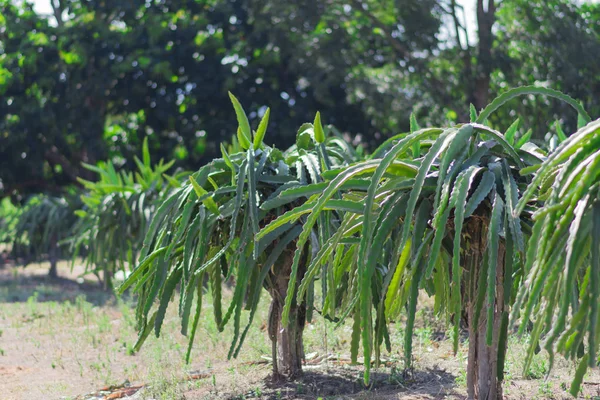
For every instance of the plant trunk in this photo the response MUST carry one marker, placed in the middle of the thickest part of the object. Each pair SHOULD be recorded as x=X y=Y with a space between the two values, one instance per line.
x=107 y=277
x=53 y=258
x=287 y=348
x=485 y=62
x=286 y=341
x=484 y=373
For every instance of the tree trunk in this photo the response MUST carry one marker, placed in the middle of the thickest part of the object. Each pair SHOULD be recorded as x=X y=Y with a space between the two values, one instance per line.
x=53 y=258
x=287 y=348
x=485 y=63
x=483 y=374
x=107 y=278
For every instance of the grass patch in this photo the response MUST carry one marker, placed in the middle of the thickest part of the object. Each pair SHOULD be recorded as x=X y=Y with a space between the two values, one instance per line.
x=62 y=342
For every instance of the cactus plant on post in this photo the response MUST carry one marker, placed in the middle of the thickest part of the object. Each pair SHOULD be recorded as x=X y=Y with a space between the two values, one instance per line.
x=117 y=212
x=439 y=214
x=207 y=230
x=561 y=289
x=41 y=225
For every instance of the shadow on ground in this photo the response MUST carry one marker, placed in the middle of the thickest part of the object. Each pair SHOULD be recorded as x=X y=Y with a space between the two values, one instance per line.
x=342 y=383
x=18 y=284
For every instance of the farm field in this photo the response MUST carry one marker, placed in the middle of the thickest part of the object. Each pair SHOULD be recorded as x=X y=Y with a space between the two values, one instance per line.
x=316 y=199
x=61 y=339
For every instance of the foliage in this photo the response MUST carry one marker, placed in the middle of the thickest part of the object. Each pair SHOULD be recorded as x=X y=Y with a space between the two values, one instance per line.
x=561 y=290
x=8 y=220
x=92 y=80
x=565 y=35
x=108 y=73
x=118 y=209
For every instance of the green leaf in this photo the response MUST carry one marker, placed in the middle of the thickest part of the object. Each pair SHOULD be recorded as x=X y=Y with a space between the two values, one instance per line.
x=172 y=181
x=157 y=219
x=159 y=274
x=457 y=145
x=414 y=126
x=386 y=145
x=311 y=220
x=244 y=131
x=262 y=129
x=511 y=194
x=318 y=129
x=244 y=142
x=355 y=341
x=394 y=285
x=303 y=139
x=455 y=141
x=201 y=193
x=524 y=139
x=511 y=131
x=196 y=318
x=473 y=112
x=188 y=243
x=167 y=293
x=483 y=189
x=365 y=245
x=146 y=153
x=296 y=191
x=229 y=163
x=594 y=283
x=561 y=154
x=526 y=90
x=143 y=335
x=582 y=119
x=185 y=305
x=412 y=310
x=252 y=197
x=498 y=137
x=133 y=277
x=559 y=132
x=579 y=374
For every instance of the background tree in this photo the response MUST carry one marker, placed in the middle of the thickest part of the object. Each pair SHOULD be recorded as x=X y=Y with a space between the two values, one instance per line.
x=566 y=36
x=91 y=80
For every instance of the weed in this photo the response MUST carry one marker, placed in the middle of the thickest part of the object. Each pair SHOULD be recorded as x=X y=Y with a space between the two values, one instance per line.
x=103 y=322
x=538 y=369
x=545 y=391
x=396 y=376
x=32 y=303
x=461 y=378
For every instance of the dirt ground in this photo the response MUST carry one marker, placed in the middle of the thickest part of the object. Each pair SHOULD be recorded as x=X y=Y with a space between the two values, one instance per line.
x=69 y=339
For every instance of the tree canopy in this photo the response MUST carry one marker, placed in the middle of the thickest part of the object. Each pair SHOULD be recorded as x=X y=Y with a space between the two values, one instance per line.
x=93 y=79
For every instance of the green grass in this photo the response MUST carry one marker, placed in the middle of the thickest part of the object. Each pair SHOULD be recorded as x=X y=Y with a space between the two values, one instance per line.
x=79 y=342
